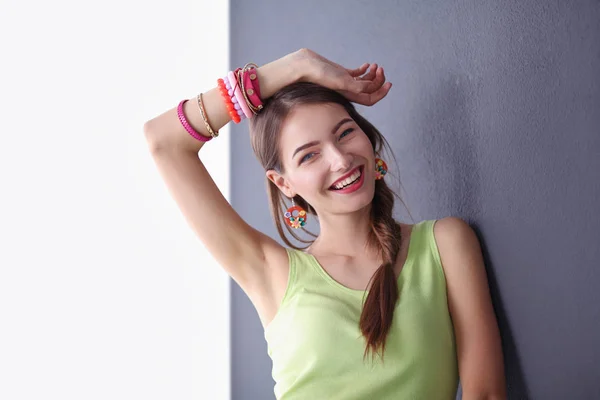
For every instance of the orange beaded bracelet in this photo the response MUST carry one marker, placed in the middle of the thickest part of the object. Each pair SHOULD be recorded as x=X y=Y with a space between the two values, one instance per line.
x=228 y=103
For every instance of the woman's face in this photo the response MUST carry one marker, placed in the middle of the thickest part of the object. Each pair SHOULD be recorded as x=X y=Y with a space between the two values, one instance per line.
x=320 y=144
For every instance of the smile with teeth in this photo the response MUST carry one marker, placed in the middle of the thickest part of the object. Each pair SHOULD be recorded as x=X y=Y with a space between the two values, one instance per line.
x=348 y=181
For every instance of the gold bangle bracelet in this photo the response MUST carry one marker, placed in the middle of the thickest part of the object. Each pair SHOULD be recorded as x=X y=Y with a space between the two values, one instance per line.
x=210 y=130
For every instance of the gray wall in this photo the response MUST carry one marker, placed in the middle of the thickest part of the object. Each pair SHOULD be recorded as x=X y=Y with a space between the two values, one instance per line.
x=494 y=117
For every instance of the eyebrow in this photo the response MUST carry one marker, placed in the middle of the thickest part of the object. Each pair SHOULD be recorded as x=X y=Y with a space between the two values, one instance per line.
x=314 y=142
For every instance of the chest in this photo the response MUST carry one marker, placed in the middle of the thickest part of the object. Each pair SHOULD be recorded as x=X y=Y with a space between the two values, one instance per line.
x=356 y=272
x=319 y=327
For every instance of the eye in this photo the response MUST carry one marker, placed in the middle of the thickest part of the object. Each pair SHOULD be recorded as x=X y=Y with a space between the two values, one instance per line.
x=348 y=131
x=309 y=156
x=306 y=157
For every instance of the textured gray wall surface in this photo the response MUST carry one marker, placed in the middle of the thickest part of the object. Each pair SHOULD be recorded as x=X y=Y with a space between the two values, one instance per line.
x=494 y=117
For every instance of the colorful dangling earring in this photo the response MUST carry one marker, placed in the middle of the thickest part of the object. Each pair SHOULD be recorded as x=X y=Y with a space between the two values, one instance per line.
x=298 y=220
x=381 y=168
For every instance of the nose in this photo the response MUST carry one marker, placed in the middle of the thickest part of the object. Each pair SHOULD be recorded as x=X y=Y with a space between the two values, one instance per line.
x=340 y=160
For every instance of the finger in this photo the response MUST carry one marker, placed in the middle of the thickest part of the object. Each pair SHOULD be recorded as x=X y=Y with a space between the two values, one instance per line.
x=358 y=71
x=368 y=99
x=372 y=98
x=365 y=85
x=370 y=74
x=378 y=81
x=382 y=75
x=377 y=78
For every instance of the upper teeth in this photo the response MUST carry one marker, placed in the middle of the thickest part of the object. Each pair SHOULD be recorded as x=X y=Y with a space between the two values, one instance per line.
x=348 y=180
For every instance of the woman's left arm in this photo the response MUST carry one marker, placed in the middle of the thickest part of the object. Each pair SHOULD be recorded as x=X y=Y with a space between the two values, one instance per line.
x=479 y=348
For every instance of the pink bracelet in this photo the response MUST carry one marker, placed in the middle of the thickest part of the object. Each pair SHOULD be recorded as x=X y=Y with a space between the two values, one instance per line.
x=253 y=92
x=234 y=100
x=187 y=125
x=238 y=95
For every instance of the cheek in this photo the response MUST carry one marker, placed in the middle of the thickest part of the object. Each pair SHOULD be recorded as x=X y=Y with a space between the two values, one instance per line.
x=365 y=143
x=311 y=180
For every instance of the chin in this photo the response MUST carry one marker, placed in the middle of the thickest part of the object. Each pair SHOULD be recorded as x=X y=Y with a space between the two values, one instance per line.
x=352 y=202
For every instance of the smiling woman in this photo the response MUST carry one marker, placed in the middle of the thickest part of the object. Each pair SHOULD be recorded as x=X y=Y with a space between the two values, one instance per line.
x=367 y=284
x=300 y=114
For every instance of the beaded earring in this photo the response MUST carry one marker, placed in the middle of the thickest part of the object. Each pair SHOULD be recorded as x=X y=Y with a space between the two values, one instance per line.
x=298 y=220
x=380 y=168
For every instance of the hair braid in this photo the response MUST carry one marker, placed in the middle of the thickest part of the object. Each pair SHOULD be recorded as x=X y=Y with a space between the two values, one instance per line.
x=378 y=311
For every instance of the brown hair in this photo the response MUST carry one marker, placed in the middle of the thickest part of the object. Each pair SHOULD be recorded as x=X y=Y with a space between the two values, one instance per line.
x=378 y=309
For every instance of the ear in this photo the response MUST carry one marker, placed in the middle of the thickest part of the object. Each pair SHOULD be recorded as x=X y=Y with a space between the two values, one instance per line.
x=280 y=181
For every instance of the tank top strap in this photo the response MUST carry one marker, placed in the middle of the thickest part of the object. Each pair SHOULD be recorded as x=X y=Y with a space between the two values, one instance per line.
x=429 y=272
x=421 y=238
x=301 y=273
x=431 y=249
x=304 y=270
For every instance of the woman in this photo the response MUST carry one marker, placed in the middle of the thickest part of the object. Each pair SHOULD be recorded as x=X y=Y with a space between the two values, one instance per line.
x=413 y=297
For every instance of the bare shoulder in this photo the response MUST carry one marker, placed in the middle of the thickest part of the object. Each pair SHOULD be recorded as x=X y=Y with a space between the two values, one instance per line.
x=449 y=224
x=406 y=228
x=449 y=228
x=456 y=241
x=406 y=231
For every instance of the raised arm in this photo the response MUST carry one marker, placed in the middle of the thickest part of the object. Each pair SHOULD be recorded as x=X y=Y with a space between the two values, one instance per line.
x=237 y=247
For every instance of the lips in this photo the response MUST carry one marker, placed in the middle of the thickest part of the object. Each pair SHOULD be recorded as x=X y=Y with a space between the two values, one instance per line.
x=346 y=176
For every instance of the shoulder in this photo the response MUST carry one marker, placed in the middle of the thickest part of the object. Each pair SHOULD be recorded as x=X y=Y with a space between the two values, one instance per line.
x=406 y=229
x=449 y=228
x=456 y=241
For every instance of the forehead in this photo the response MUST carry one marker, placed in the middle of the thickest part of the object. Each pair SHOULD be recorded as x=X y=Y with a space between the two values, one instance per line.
x=306 y=123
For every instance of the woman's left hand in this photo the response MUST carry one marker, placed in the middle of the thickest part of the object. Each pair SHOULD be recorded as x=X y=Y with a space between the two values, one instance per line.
x=357 y=85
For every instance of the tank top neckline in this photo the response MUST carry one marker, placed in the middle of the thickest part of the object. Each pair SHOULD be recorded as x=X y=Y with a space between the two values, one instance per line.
x=407 y=264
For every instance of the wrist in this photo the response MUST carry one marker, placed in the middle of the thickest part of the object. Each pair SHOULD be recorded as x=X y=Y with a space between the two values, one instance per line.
x=299 y=66
x=280 y=73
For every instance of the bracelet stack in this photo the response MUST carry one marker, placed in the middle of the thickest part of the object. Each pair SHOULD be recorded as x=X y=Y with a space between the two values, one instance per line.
x=241 y=93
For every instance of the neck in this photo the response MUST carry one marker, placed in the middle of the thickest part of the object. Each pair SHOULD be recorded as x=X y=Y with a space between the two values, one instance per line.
x=343 y=234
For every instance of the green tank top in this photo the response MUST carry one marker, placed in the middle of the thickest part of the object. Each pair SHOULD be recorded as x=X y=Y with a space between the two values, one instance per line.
x=317 y=348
